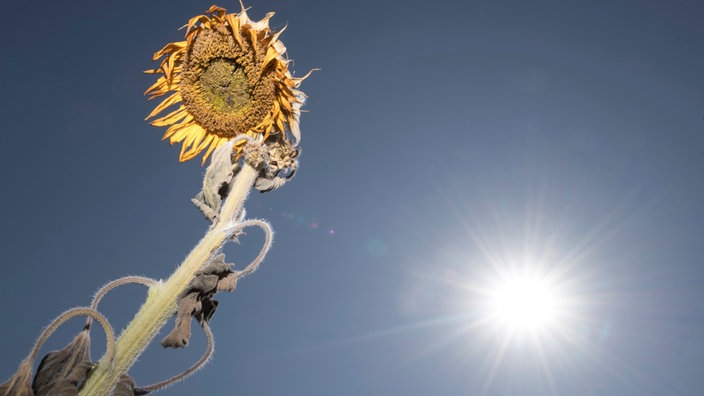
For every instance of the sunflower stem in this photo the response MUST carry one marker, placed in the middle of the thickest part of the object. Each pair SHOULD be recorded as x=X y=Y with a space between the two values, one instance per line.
x=161 y=300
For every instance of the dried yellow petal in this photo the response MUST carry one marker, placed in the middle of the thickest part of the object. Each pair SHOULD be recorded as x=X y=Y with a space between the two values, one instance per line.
x=230 y=78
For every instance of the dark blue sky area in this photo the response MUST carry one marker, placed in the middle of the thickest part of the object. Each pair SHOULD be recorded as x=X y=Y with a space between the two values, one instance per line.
x=445 y=141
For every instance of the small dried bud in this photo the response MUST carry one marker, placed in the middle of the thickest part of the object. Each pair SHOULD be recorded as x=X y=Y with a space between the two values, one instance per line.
x=256 y=155
x=282 y=156
x=281 y=167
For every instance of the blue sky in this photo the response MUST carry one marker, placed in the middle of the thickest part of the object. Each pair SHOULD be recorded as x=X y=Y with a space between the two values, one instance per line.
x=445 y=142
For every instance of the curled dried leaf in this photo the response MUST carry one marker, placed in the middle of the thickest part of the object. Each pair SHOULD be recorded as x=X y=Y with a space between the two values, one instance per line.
x=219 y=274
x=181 y=334
x=266 y=184
x=217 y=181
x=196 y=300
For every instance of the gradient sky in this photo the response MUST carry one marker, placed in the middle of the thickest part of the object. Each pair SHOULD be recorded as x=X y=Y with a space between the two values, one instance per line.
x=445 y=141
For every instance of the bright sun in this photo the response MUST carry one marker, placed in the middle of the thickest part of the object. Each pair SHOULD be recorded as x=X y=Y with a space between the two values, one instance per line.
x=523 y=302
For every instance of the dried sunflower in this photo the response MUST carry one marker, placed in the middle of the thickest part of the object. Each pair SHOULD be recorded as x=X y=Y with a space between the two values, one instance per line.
x=228 y=78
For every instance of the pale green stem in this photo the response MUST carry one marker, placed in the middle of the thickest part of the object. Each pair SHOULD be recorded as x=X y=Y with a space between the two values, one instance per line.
x=161 y=301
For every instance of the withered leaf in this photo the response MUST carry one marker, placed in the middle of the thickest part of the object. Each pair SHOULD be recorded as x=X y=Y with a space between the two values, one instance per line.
x=59 y=371
x=216 y=266
x=268 y=181
x=196 y=300
x=216 y=182
x=228 y=283
x=20 y=383
x=266 y=184
x=214 y=277
x=56 y=366
x=207 y=311
x=179 y=336
x=203 y=281
x=68 y=386
x=126 y=387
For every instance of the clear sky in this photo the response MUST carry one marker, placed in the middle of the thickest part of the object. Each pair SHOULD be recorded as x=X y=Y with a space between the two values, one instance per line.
x=445 y=142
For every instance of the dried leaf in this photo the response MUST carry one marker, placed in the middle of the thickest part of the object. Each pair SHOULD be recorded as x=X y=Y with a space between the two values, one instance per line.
x=228 y=283
x=68 y=386
x=216 y=182
x=264 y=184
x=59 y=368
x=126 y=387
x=58 y=365
x=203 y=281
x=179 y=336
x=216 y=266
x=196 y=300
x=20 y=383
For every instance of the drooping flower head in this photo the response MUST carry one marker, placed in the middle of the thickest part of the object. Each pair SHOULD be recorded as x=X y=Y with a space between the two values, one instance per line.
x=228 y=78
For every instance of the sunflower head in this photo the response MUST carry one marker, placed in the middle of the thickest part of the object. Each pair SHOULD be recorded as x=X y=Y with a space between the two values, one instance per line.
x=228 y=78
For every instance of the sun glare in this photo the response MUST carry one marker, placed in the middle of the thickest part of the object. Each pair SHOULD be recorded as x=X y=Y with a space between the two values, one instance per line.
x=523 y=302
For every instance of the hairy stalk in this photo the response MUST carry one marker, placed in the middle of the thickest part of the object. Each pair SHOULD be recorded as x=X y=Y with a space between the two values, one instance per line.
x=161 y=301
